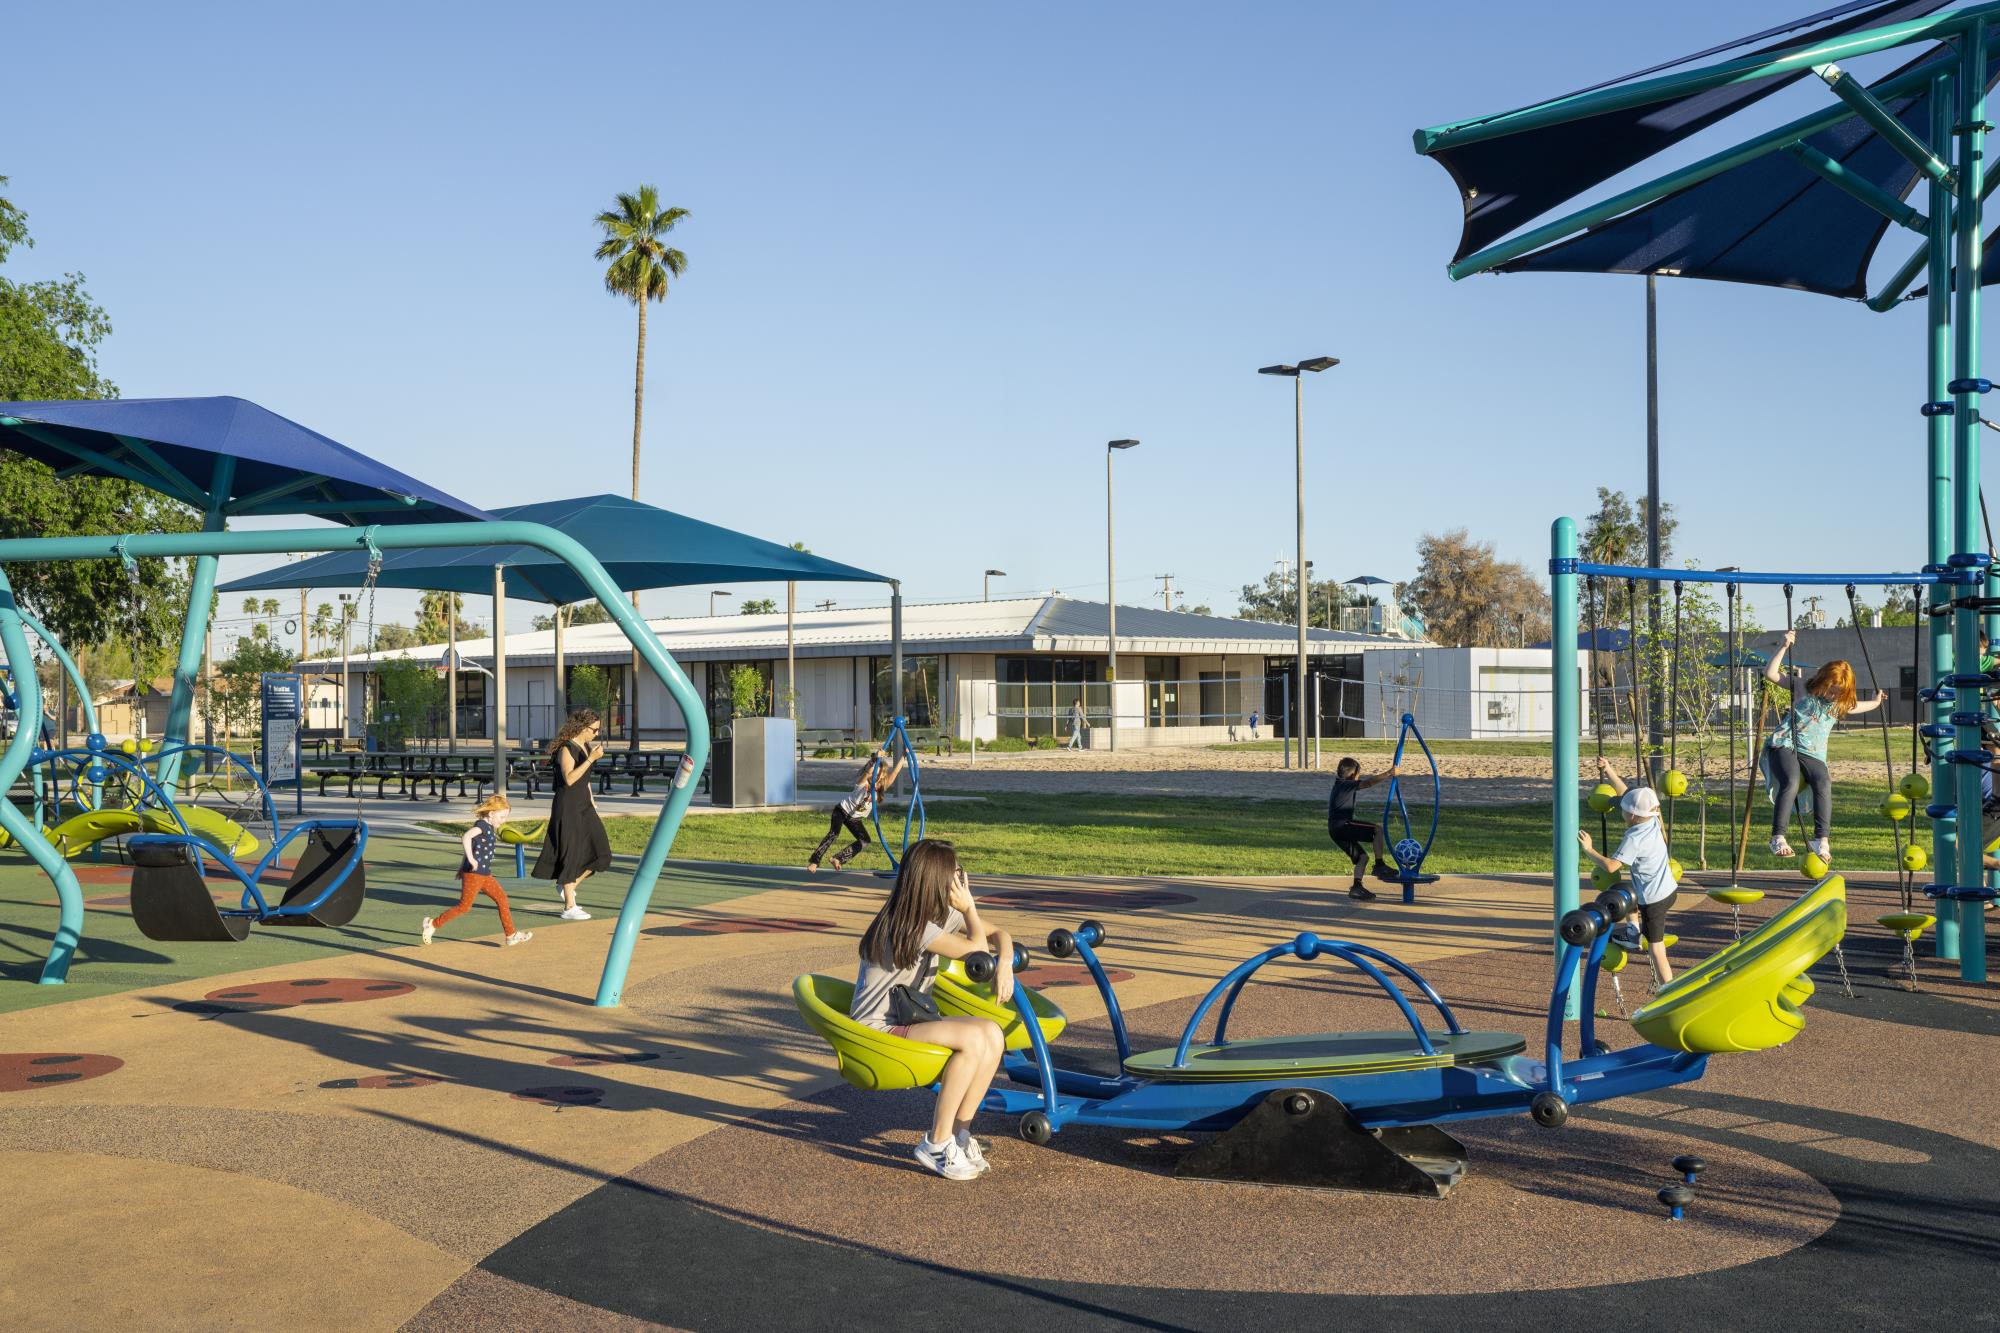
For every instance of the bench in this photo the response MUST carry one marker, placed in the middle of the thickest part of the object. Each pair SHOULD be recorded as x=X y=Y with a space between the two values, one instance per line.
x=839 y=739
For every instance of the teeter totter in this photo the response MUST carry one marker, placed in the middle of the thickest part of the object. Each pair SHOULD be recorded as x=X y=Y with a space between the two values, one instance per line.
x=1356 y=1110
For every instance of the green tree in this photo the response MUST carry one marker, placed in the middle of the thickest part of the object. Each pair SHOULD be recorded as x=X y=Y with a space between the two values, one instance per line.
x=432 y=624
x=236 y=693
x=390 y=638
x=1275 y=600
x=1466 y=595
x=641 y=266
x=576 y=613
x=49 y=335
x=759 y=606
x=1616 y=535
x=1899 y=607
x=321 y=627
x=748 y=694
x=590 y=687
x=409 y=701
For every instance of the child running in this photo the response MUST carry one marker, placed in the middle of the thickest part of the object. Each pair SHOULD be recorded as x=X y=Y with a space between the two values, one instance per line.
x=850 y=816
x=475 y=872
x=1352 y=835
x=931 y=915
x=1644 y=853
x=1796 y=751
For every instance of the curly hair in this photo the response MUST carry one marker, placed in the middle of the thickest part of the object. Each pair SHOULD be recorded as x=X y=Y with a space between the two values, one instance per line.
x=578 y=721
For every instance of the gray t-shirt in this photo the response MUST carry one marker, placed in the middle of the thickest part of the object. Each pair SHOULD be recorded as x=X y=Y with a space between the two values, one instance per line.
x=872 y=987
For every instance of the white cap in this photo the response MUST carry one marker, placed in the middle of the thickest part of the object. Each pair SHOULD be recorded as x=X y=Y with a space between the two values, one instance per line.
x=1639 y=801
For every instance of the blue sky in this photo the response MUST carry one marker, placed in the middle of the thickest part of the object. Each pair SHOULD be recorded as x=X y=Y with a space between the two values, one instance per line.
x=938 y=255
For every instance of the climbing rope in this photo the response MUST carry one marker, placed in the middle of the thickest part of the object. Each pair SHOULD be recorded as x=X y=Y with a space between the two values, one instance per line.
x=1733 y=664
x=1903 y=871
x=1639 y=770
x=1596 y=710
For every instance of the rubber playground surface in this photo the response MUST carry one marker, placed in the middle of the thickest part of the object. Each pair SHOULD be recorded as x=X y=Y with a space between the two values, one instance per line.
x=354 y=1132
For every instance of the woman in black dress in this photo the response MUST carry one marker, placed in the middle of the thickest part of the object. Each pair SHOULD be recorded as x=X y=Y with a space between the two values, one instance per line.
x=575 y=846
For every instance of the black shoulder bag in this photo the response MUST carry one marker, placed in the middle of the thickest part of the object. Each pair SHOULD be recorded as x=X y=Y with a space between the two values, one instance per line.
x=909 y=1004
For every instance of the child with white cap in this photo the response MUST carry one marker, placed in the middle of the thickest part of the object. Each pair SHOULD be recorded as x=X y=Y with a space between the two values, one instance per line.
x=1644 y=853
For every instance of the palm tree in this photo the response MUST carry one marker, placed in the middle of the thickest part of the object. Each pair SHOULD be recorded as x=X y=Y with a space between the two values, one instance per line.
x=322 y=624
x=641 y=265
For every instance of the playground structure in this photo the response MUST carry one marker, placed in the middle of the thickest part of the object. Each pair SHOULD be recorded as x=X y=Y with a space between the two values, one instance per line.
x=898 y=742
x=1803 y=206
x=1356 y=1110
x=1408 y=851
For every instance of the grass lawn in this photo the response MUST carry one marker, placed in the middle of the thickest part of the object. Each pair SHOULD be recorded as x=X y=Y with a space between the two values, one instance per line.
x=1013 y=833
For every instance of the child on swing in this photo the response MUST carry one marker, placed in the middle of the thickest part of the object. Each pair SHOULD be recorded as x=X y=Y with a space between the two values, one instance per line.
x=1644 y=852
x=850 y=816
x=1354 y=836
x=1796 y=751
x=930 y=916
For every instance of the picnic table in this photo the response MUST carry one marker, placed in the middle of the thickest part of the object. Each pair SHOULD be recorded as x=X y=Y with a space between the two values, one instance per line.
x=415 y=773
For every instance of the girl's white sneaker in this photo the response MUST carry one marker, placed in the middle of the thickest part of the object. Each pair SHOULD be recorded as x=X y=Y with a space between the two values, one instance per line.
x=973 y=1152
x=430 y=929
x=518 y=937
x=948 y=1160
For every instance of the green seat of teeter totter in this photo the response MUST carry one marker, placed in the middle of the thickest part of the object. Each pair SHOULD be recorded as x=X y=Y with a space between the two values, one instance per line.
x=869 y=1058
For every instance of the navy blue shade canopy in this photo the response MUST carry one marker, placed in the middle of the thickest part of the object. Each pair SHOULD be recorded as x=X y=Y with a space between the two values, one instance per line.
x=1507 y=182
x=639 y=545
x=1771 y=221
x=222 y=453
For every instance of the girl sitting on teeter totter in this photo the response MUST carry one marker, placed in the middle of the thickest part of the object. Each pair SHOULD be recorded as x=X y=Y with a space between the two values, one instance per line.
x=931 y=915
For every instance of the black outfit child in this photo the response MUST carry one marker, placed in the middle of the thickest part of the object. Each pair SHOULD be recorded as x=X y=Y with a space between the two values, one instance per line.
x=575 y=843
x=848 y=817
x=1353 y=836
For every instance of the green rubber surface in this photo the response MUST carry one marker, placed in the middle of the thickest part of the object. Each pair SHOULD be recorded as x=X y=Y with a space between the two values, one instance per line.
x=1322 y=1055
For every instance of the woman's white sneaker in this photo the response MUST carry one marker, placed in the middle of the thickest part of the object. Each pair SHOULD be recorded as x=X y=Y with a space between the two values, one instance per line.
x=575 y=914
x=948 y=1161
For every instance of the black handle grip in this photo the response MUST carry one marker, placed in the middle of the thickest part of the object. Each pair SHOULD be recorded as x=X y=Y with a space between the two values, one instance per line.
x=980 y=966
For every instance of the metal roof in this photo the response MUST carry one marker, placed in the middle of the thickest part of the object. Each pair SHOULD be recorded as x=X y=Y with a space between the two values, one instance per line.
x=1012 y=625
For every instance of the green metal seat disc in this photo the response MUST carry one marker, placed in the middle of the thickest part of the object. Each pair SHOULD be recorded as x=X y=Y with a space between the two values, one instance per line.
x=1322 y=1055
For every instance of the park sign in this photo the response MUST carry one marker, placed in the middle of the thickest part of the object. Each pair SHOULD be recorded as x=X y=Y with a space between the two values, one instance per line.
x=283 y=709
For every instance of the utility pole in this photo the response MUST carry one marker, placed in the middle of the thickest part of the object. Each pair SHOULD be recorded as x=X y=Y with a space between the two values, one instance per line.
x=826 y=605
x=1166 y=589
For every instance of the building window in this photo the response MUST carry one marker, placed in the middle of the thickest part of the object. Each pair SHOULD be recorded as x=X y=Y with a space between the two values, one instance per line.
x=922 y=691
x=1034 y=695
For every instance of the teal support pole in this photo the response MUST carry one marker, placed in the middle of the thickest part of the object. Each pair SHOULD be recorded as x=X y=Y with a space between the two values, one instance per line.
x=411 y=536
x=1867 y=191
x=1971 y=130
x=23 y=829
x=1937 y=306
x=1567 y=722
x=1880 y=119
x=194 y=633
x=69 y=669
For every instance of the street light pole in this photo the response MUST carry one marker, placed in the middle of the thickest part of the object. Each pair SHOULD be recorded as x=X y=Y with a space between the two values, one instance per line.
x=1297 y=375
x=1111 y=593
x=987 y=594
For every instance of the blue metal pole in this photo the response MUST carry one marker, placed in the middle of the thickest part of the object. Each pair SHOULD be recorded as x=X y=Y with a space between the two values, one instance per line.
x=1971 y=131
x=410 y=536
x=28 y=693
x=1567 y=721
x=1937 y=307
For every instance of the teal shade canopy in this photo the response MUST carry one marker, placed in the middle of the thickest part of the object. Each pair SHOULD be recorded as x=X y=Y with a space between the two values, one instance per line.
x=640 y=546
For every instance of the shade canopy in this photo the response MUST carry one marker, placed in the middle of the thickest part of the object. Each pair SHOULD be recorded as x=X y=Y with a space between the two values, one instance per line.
x=222 y=454
x=1805 y=205
x=641 y=546
x=1505 y=183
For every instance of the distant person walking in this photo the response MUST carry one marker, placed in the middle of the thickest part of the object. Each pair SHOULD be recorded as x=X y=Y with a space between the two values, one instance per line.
x=575 y=846
x=1253 y=724
x=1079 y=727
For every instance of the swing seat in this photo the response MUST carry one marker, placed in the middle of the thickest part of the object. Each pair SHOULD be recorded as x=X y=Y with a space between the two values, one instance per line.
x=958 y=996
x=869 y=1058
x=1746 y=997
x=171 y=900
x=1910 y=926
x=1736 y=897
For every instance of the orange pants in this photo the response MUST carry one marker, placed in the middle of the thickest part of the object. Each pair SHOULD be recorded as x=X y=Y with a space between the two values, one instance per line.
x=473 y=886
